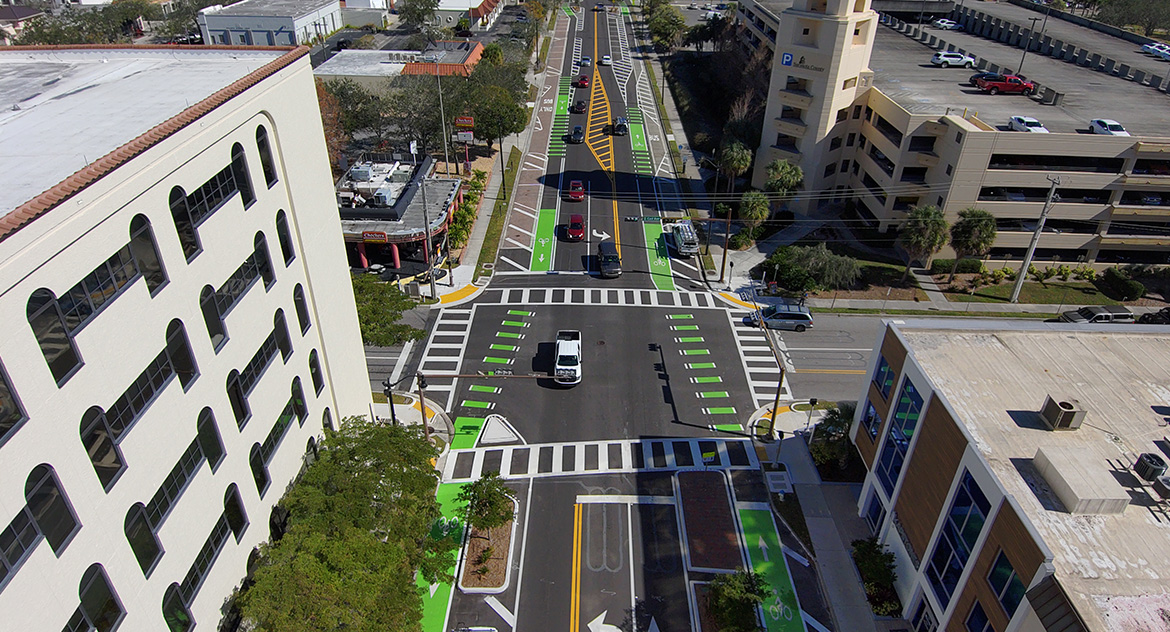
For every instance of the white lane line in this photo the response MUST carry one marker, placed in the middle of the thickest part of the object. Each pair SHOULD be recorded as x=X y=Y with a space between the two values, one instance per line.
x=813 y=623
x=521 y=230
x=625 y=499
x=523 y=551
x=518 y=244
x=510 y=262
x=867 y=349
x=630 y=544
x=396 y=374
x=495 y=604
x=794 y=555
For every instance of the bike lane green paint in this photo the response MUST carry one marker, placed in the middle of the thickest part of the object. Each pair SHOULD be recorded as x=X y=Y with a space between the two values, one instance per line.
x=436 y=604
x=782 y=609
x=638 y=137
x=542 y=248
x=657 y=256
x=467 y=431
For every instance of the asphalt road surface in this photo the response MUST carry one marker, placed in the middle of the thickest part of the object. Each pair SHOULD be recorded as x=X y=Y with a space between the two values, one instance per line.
x=831 y=360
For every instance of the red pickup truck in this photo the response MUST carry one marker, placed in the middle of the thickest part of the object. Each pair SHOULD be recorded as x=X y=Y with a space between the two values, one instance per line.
x=1008 y=84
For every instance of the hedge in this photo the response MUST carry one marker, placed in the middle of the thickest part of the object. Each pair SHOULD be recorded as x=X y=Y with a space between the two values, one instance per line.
x=1120 y=284
x=966 y=266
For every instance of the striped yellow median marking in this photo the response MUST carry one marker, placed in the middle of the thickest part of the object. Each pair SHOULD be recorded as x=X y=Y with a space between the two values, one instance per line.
x=575 y=589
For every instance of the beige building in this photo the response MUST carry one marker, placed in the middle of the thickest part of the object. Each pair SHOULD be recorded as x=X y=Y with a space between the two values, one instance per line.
x=872 y=123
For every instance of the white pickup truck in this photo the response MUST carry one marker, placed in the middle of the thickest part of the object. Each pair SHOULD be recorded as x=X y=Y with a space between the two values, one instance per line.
x=568 y=366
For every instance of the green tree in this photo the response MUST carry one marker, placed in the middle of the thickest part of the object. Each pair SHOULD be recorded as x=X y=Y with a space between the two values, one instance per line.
x=182 y=18
x=493 y=55
x=1150 y=15
x=783 y=177
x=416 y=14
x=733 y=600
x=832 y=433
x=361 y=109
x=497 y=115
x=488 y=503
x=380 y=306
x=828 y=269
x=110 y=24
x=972 y=236
x=506 y=75
x=336 y=137
x=667 y=27
x=734 y=159
x=923 y=234
x=753 y=209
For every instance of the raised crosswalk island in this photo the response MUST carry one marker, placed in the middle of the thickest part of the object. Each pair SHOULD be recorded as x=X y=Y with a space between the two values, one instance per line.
x=599 y=457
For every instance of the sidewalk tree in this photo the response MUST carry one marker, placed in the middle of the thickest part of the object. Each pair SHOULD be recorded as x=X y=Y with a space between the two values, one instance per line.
x=667 y=26
x=923 y=234
x=828 y=269
x=488 y=503
x=734 y=599
x=734 y=159
x=753 y=209
x=971 y=236
x=335 y=135
x=833 y=434
x=416 y=14
x=380 y=306
x=361 y=110
x=497 y=116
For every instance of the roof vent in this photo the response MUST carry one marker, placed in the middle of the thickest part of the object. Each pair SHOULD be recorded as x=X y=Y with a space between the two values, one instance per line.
x=1062 y=415
x=1149 y=466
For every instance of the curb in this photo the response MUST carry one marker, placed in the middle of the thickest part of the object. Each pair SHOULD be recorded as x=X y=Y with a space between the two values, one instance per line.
x=507 y=571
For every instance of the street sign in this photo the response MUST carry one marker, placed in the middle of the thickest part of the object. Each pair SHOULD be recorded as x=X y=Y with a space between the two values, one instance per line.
x=413 y=147
x=465 y=122
x=465 y=137
x=374 y=237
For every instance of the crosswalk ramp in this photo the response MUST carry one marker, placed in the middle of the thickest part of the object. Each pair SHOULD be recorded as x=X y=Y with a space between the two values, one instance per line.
x=586 y=296
x=598 y=457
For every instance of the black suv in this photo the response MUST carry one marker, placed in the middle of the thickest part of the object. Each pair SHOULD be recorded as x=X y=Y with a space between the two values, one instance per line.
x=619 y=127
x=1160 y=317
x=578 y=135
x=578 y=107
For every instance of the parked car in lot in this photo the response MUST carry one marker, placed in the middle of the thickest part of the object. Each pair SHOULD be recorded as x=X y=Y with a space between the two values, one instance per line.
x=583 y=81
x=945 y=59
x=579 y=107
x=1007 y=84
x=1152 y=199
x=1155 y=48
x=606 y=60
x=575 y=229
x=946 y=25
x=989 y=76
x=1026 y=124
x=1160 y=317
x=578 y=135
x=576 y=191
x=1099 y=314
x=1109 y=127
x=619 y=127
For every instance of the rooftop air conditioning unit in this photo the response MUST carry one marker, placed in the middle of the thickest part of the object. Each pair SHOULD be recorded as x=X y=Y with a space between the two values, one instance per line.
x=1062 y=415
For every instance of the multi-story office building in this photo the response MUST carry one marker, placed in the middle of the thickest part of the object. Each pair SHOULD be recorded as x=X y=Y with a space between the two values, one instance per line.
x=1014 y=473
x=179 y=325
x=873 y=123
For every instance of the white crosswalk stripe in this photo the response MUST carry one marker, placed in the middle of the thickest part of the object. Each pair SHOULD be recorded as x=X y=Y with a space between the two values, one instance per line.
x=450 y=332
x=584 y=296
x=758 y=360
x=622 y=66
x=599 y=457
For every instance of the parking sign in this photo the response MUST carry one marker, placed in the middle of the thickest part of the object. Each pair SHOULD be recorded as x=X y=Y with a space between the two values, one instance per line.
x=786 y=59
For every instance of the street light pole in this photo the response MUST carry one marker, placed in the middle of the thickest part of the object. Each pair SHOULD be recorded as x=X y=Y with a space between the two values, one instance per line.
x=443 y=121
x=428 y=252
x=1035 y=240
x=1027 y=45
x=422 y=400
x=387 y=389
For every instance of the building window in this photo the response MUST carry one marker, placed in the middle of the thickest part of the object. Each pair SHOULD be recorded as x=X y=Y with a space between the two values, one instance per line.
x=284 y=237
x=842 y=114
x=259 y=469
x=207 y=434
x=830 y=169
x=178 y=352
x=233 y=509
x=266 y=163
x=855 y=167
x=98 y=440
x=263 y=260
x=977 y=620
x=175 y=612
x=211 y=317
x=901 y=432
x=17 y=540
x=183 y=224
x=875 y=513
x=861 y=143
x=850 y=139
x=835 y=143
x=327 y=420
x=50 y=508
x=949 y=169
x=243 y=181
x=844 y=166
x=142 y=539
x=12 y=415
x=171 y=489
x=48 y=325
x=145 y=251
x=856 y=112
x=300 y=409
x=884 y=377
x=960 y=530
x=99 y=604
x=850 y=82
x=302 y=308
x=871 y=420
x=940 y=201
x=958 y=137
x=235 y=392
x=924 y=619
x=315 y=372
x=1006 y=584
x=193 y=580
x=280 y=330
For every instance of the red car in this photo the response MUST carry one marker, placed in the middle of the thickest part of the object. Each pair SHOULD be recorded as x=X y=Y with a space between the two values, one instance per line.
x=582 y=81
x=576 y=191
x=575 y=231
x=1007 y=84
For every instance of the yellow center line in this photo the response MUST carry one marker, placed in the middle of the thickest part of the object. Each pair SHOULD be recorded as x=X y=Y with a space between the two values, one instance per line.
x=575 y=590
x=607 y=145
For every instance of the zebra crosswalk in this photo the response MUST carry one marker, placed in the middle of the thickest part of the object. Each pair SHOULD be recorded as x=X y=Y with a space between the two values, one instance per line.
x=586 y=296
x=759 y=362
x=598 y=457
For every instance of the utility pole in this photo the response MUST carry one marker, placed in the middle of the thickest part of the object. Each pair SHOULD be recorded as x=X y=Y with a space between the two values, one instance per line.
x=1027 y=45
x=443 y=121
x=1035 y=240
x=428 y=251
x=388 y=389
x=422 y=400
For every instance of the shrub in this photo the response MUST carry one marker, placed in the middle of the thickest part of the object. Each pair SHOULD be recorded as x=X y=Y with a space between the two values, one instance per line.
x=1085 y=273
x=966 y=266
x=876 y=567
x=1008 y=273
x=740 y=240
x=1122 y=286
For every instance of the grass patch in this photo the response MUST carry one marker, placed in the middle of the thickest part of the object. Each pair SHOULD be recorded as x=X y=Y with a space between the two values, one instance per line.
x=495 y=229
x=545 y=44
x=932 y=312
x=788 y=506
x=1033 y=292
x=658 y=100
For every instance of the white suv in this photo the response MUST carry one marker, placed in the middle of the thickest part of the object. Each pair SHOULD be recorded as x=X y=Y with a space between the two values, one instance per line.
x=945 y=59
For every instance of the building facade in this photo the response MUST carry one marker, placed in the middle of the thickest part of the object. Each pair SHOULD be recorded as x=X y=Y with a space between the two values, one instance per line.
x=269 y=22
x=180 y=329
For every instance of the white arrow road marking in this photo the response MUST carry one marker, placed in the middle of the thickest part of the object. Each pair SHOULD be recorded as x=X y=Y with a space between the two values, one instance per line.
x=599 y=624
x=600 y=234
x=763 y=548
x=495 y=604
x=434 y=587
x=653 y=625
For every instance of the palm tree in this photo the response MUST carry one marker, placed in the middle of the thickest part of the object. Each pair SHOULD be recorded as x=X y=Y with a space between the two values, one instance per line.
x=923 y=234
x=834 y=430
x=753 y=209
x=783 y=178
x=971 y=236
x=734 y=159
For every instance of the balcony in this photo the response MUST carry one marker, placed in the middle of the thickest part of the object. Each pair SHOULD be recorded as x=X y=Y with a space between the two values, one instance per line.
x=926 y=158
x=935 y=128
x=796 y=98
x=791 y=126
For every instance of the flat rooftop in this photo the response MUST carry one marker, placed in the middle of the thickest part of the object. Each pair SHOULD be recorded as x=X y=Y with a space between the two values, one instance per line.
x=61 y=110
x=902 y=71
x=1113 y=566
x=270 y=8
x=362 y=63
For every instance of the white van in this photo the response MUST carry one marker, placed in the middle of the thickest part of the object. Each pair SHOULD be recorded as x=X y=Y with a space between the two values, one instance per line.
x=684 y=239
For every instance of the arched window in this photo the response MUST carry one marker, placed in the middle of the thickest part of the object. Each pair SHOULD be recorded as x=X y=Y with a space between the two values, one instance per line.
x=233 y=510
x=175 y=612
x=44 y=316
x=145 y=251
x=302 y=308
x=266 y=162
x=284 y=237
x=50 y=508
x=240 y=175
x=98 y=440
x=327 y=420
x=264 y=261
x=280 y=328
x=259 y=469
x=12 y=415
x=298 y=401
x=211 y=317
x=235 y=392
x=179 y=353
x=181 y=214
x=208 y=434
x=142 y=539
x=99 y=603
x=311 y=452
x=315 y=372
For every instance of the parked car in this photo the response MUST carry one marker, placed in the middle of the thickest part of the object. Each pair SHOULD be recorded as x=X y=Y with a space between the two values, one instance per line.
x=946 y=59
x=575 y=230
x=794 y=317
x=606 y=60
x=620 y=127
x=1155 y=48
x=1026 y=124
x=522 y=19
x=1152 y=199
x=946 y=25
x=1160 y=317
x=1007 y=84
x=576 y=190
x=1109 y=127
x=578 y=135
x=989 y=76
x=1099 y=314
x=586 y=61
x=579 y=107
x=583 y=81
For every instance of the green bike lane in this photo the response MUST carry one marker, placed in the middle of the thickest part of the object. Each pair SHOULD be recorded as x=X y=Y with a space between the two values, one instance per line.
x=782 y=610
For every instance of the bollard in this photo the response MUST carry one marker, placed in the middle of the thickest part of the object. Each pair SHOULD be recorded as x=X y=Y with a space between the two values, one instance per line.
x=1095 y=61
x=1109 y=64
x=1123 y=71
x=1155 y=81
x=1139 y=76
